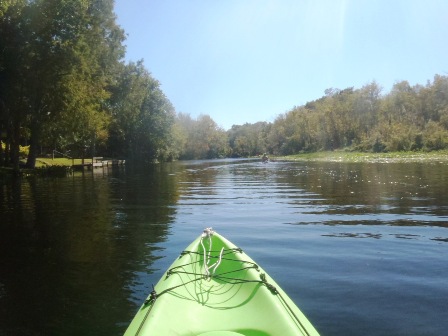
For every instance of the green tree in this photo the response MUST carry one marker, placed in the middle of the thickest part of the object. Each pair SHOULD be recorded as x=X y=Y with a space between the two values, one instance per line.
x=201 y=138
x=435 y=98
x=142 y=117
x=435 y=136
x=57 y=61
x=366 y=108
x=14 y=33
x=91 y=44
x=248 y=139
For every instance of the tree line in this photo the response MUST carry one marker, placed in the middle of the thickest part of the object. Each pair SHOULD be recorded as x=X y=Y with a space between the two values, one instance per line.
x=64 y=85
x=408 y=118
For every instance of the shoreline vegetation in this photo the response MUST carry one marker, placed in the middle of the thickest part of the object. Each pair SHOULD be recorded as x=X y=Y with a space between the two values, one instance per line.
x=56 y=167
x=60 y=167
x=352 y=157
x=323 y=156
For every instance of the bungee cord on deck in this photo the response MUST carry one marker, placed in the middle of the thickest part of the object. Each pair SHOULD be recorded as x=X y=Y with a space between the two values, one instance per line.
x=211 y=272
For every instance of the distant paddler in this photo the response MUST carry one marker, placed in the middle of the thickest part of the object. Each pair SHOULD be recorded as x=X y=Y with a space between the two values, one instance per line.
x=265 y=158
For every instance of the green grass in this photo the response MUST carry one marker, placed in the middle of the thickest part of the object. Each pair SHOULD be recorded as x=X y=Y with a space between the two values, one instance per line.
x=46 y=167
x=343 y=156
x=44 y=162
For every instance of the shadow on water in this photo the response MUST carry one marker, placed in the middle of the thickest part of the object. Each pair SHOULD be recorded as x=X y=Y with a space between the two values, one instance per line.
x=75 y=251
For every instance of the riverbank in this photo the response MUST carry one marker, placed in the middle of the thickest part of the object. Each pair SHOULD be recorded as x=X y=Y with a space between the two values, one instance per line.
x=61 y=166
x=342 y=156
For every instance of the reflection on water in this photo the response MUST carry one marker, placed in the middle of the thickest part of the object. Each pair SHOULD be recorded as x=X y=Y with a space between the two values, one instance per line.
x=359 y=247
x=72 y=250
x=330 y=193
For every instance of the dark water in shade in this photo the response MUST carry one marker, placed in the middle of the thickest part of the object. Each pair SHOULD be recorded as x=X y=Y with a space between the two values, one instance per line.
x=361 y=248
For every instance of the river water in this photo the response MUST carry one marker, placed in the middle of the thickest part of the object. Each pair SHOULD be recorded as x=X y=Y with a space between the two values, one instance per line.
x=361 y=248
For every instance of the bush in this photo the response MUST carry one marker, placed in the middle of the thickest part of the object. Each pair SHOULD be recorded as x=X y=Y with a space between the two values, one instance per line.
x=24 y=151
x=435 y=136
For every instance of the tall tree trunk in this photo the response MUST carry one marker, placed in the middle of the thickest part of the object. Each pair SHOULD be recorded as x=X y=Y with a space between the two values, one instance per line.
x=34 y=145
x=15 y=147
x=2 y=152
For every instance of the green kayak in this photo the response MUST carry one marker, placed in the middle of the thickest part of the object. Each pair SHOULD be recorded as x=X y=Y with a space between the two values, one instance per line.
x=215 y=289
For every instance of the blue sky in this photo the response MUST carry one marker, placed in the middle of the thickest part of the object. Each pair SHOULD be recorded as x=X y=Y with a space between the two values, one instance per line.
x=250 y=60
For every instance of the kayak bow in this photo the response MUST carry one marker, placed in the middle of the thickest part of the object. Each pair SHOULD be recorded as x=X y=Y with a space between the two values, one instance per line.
x=215 y=289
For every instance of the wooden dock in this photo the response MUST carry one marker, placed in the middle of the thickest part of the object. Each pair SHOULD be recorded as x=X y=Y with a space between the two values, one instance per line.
x=99 y=162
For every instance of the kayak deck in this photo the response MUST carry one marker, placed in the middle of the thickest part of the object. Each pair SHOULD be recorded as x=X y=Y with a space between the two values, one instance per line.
x=215 y=289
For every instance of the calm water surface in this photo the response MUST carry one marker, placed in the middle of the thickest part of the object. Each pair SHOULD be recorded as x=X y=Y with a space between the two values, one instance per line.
x=361 y=248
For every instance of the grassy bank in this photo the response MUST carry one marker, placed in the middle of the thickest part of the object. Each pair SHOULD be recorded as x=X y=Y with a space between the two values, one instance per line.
x=342 y=156
x=46 y=167
x=45 y=162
